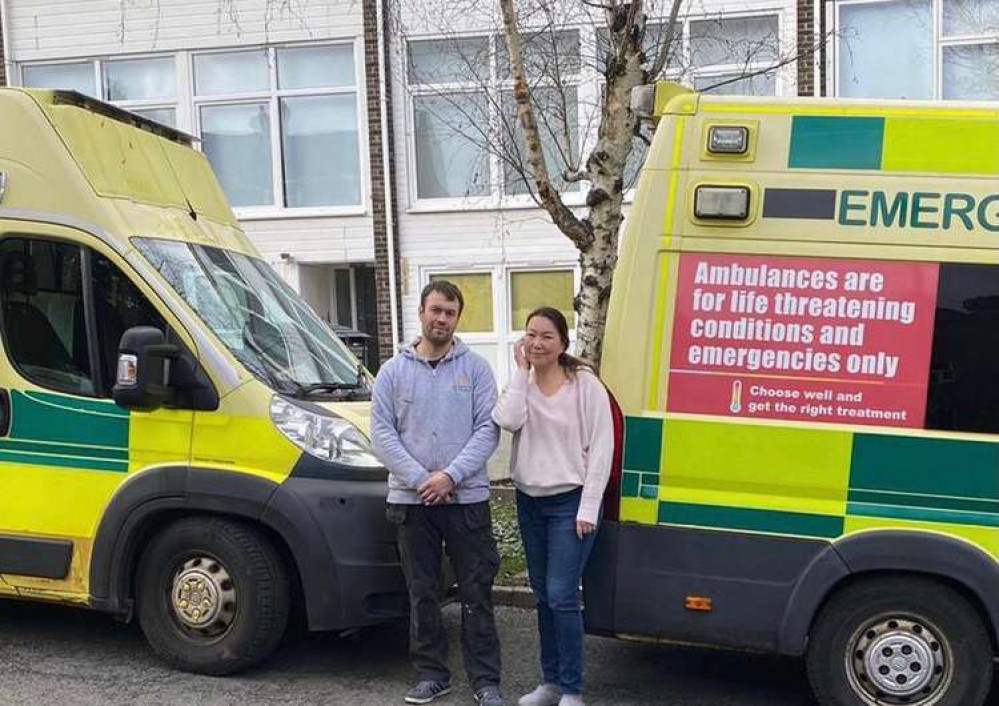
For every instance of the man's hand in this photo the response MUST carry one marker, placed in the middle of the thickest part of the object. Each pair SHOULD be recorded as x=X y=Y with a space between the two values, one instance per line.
x=584 y=528
x=437 y=489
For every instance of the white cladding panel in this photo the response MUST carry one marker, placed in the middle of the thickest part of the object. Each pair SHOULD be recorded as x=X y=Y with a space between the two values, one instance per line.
x=53 y=29
x=314 y=240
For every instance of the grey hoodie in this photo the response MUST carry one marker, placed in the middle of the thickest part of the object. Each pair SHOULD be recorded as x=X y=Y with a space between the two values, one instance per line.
x=425 y=419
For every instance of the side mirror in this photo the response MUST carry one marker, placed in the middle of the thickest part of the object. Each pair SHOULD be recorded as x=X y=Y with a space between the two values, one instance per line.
x=143 y=380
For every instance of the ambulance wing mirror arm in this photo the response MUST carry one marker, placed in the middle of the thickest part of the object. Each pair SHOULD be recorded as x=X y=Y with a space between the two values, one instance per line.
x=143 y=379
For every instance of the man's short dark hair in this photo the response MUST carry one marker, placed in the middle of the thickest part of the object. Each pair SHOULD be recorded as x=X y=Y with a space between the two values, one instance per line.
x=449 y=290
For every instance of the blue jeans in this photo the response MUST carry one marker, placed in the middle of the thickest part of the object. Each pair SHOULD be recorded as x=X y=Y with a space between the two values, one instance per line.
x=556 y=558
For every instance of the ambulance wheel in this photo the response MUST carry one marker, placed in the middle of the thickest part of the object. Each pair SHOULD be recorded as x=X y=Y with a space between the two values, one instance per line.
x=212 y=595
x=899 y=640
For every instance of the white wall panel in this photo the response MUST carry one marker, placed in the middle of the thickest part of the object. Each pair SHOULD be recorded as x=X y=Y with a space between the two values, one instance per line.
x=54 y=29
x=314 y=240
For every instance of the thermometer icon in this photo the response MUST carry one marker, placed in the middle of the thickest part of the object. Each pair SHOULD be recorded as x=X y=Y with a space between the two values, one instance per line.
x=736 y=405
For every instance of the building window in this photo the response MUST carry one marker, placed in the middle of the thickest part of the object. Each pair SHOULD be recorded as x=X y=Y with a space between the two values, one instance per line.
x=280 y=125
x=146 y=86
x=451 y=159
x=468 y=142
x=896 y=49
x=78 y=77
x=726 y=53
x=477 y=290
x=462 y=101
x=530 y=290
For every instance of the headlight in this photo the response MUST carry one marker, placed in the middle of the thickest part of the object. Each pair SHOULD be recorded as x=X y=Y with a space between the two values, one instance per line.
x=325 y=436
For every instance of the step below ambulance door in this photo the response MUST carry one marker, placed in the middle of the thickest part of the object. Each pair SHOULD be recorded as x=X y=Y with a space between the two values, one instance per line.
x=65 y=446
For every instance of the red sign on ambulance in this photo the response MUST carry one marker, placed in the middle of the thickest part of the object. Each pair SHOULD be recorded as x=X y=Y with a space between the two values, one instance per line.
x=845 y=341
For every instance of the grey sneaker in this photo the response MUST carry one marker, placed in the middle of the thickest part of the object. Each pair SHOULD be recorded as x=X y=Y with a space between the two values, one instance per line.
x=426 y=691
x=544 y=695
x=489 y=696
x=571 y=700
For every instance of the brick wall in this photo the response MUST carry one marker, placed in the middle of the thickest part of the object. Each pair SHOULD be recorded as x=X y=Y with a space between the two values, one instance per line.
x=386 y=337
x=3 y=54
x=806 y=48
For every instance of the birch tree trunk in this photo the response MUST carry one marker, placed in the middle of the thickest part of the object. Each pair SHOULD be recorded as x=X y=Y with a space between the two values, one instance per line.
x=596 y=235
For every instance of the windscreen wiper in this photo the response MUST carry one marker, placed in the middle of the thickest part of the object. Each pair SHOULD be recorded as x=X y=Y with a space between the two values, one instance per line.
x=352 y=387
x=328 y=387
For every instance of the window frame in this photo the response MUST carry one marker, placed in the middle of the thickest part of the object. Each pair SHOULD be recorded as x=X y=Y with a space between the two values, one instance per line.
x=938 y=42
x=272 y=97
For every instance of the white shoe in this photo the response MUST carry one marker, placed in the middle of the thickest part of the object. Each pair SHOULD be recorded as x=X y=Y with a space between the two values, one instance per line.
x=544 y=695
x=571 y=700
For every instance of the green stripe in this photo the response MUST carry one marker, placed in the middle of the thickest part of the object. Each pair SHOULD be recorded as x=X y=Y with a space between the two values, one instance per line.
x=874 y=497
x=79 y=404
x=925 y=466
x=923 y=514
x=67 y=420
x=740 y=518
x=836 y=143
x=643 y=443
x=89 y=464
x=63 y=449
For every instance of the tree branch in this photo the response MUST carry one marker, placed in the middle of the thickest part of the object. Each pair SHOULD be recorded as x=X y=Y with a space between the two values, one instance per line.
x=576 y=230
x=666 y=49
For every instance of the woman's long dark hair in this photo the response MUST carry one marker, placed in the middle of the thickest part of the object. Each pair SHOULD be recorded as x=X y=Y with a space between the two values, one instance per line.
x=569 y=363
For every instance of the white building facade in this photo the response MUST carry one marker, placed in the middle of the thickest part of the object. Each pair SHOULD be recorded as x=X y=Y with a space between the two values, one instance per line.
x=287 y=99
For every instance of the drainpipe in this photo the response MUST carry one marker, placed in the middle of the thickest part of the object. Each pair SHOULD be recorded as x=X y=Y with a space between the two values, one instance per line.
x=8 y=65
x=384 y=88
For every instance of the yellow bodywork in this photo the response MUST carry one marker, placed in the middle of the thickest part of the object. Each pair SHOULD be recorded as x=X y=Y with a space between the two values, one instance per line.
x=799 y=478
x=85 y=177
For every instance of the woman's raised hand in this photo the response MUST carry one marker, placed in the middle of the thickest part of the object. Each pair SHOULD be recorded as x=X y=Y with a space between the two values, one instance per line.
x=520 y=355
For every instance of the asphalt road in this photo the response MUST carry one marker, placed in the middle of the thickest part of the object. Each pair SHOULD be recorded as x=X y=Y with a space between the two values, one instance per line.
x=52 y=655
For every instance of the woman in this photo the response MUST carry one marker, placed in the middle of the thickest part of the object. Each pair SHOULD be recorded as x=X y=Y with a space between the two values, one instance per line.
x=563 y=443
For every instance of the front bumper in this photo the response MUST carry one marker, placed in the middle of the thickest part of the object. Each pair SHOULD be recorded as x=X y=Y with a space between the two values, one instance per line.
x=345 y=550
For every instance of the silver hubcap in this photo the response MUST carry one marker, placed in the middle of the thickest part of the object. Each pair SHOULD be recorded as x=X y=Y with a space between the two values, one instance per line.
x=203 y=596
x=899 y=661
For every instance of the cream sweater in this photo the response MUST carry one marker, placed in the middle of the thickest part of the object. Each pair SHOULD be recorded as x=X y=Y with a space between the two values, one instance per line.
x=561 y=442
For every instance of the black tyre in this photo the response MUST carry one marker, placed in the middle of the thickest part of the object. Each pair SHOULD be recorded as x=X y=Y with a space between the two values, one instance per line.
x=899 y=640
x=212 y=595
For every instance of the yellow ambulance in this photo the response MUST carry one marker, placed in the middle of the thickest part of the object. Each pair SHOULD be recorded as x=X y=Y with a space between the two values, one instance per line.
x=181 y=439
x=804 y=338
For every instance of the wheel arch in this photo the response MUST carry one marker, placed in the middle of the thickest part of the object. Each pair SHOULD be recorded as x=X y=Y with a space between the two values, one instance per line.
x=880 y=553
x=156 y=498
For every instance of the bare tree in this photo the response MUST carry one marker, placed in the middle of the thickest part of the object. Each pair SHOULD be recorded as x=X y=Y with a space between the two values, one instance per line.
x=529 y=115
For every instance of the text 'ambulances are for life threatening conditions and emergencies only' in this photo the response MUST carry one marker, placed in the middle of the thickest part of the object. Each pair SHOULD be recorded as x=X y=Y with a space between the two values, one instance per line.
x=845 y=341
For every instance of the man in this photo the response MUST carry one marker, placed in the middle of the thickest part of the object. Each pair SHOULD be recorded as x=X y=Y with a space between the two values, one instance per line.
x=433 y=430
